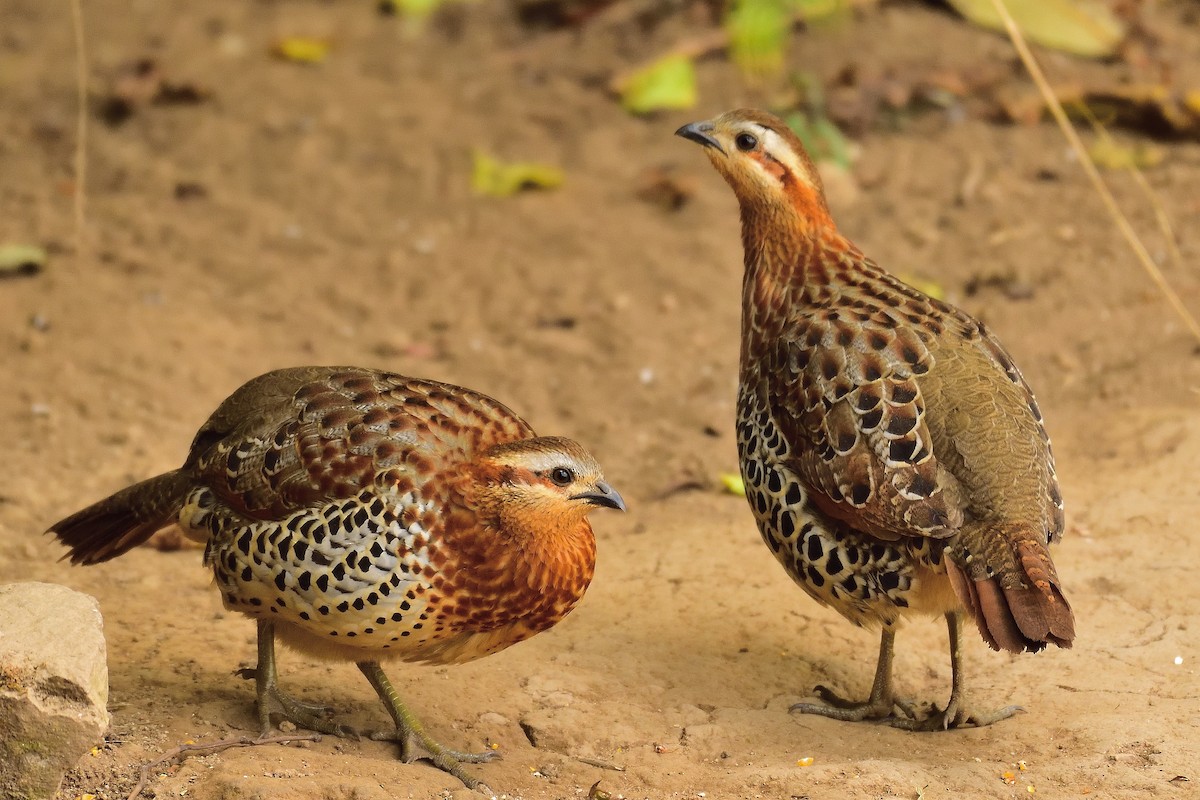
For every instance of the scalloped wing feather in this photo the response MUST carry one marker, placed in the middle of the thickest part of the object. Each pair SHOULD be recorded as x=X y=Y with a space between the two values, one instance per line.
x=858 y=409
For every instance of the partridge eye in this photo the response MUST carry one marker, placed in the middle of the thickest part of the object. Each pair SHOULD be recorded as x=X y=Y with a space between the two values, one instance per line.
x=561 y=476
x=745 y=142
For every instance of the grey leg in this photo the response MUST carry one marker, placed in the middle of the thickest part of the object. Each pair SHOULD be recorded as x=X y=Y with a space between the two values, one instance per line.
x=879 y=706
x=955 y=714
x=273 y=701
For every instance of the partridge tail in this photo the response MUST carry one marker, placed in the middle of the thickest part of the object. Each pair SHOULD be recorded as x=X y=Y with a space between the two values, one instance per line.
x=118 y=523
x=1004 y=577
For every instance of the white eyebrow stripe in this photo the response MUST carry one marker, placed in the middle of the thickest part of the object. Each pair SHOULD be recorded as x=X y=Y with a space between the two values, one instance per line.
x=778 y=149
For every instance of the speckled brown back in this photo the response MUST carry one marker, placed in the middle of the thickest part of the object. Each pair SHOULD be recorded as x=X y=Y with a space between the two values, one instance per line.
x=295 y=437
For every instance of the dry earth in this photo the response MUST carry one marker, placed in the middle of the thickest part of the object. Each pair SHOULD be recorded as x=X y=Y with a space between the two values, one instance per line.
x=336 y=226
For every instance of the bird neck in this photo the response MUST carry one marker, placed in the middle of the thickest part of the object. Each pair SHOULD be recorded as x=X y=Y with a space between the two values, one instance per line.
x=790 y=258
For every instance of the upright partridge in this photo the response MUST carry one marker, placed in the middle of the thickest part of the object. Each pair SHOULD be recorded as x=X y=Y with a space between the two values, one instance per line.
x=364 y=515
x=894 y=458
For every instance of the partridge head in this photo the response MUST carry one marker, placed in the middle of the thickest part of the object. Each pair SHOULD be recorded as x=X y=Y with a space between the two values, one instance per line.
x=767 y=167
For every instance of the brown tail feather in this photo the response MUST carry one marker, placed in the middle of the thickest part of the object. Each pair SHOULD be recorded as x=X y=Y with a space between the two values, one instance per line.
x=1017 y=603
x=118 y=523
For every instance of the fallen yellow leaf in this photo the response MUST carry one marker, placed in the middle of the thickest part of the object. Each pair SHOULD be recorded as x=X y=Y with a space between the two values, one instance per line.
x=21 y=259
x=733 y=483
x=497 y=179
x=1108 y=154
x=1082 y=27
x=302 y=49
x=412 y=8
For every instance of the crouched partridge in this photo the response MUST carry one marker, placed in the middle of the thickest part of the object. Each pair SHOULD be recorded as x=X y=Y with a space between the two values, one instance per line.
x=363 y=515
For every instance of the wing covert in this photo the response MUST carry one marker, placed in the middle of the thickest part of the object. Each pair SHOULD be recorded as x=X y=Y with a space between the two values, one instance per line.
x=852 y=399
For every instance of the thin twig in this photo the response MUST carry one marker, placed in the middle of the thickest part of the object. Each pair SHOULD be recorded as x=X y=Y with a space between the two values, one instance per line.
x=81 y=128
x=599 y=762
x=1110 y=203
x=184 y=750
x=1160 y=211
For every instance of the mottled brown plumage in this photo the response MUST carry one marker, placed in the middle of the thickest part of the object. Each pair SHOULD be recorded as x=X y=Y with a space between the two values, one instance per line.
x=364 y=515
x=894 y=457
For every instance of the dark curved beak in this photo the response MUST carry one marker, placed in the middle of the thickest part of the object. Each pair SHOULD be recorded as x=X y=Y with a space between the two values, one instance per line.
x=602 y=495
x=701 y=133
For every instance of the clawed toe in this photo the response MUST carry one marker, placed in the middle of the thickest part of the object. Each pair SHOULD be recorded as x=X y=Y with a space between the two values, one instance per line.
x=413 y=747
x=475 y=758
x=831 y=698
x=840 y=708
x=900 y=713
x=951 y=718
x=885 y=708
x=304 y=715
x=910 y=717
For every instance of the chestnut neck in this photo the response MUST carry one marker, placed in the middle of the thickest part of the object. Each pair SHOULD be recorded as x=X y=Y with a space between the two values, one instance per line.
x=790 y=252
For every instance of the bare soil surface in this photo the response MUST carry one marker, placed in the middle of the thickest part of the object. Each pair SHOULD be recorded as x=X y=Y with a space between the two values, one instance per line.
x=329 y=220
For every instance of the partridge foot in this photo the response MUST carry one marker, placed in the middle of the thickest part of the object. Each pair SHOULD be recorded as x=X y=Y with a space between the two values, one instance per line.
x=955 y=714
x=411 y=735
x=271 y=700
x=882 y=703
x=951 y=717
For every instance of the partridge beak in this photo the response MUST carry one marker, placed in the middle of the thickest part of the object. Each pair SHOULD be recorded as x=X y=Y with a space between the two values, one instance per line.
x=701 y=133
x=602 y=495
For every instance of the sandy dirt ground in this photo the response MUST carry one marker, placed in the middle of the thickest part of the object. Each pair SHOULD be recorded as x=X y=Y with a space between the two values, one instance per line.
x=326 y=217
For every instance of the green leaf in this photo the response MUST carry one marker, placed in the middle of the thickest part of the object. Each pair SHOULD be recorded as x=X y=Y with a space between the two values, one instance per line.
x=759 y=30
x=21 y=259
x=669 y=83
x=758 y=33
x=1081 y=27
x=497 y=179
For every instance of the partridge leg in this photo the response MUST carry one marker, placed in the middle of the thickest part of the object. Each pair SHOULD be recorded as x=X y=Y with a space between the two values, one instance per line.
x=273 y=701
x=879 y=706
x=955 y=715
x=409 y=730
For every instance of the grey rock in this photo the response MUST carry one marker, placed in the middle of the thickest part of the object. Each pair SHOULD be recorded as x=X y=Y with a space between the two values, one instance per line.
x=53 y=686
